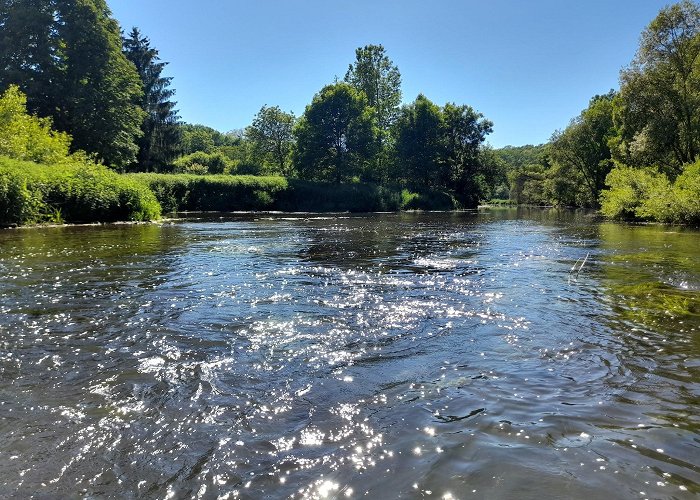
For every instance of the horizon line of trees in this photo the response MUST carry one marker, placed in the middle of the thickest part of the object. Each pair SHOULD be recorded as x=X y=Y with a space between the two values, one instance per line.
x=106 y=90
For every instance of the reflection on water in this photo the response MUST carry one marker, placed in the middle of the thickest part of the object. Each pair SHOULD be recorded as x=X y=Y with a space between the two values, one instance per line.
x=393 y=355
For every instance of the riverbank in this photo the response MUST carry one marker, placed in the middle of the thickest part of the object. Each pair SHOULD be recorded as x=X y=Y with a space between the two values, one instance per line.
x=32 y=194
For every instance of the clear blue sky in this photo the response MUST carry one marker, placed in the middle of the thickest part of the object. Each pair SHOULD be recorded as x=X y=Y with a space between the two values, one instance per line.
x=527 y=65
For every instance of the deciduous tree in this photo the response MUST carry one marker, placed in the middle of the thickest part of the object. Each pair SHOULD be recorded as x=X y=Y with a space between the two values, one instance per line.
x=659 y=105
x=582 y=149
x=419 y=147
x=66 y=56
x=336 y=138
x=272 y=138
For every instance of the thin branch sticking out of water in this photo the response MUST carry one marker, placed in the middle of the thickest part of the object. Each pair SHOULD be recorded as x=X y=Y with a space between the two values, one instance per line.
x=578 y=271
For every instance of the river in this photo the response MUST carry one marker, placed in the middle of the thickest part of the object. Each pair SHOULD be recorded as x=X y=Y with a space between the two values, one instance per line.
x=433 y=355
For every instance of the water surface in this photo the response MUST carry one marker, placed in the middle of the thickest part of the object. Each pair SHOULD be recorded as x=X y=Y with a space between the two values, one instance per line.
x=346 y=356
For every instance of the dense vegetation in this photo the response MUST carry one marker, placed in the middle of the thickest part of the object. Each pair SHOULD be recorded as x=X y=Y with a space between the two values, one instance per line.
x=96 y=96
x=186 y=192
x=633 y=152
x=31 y=193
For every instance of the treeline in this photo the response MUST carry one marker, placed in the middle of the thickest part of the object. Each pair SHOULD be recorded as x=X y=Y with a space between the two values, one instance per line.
x=633 y=152
x=41 y=181
x=106 y=91
x=356 y=130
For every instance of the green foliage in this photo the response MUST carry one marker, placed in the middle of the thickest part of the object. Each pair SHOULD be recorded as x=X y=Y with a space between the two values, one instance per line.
x=336 y=137
x=160 y=141
x=471 y=168
x=272 y=139
x=202 y=138
x=648 y=195
x=31 y=193
x=440 y=149
x=432 y=200
x=66 y=57
x=571 y=169
x=240 y=192
x=581 y=153
x=524 y=168
x=306 y=196
x=418 y=145
x=201 y=163
x=26 y=137
x=658 y=111
x=376 y=75
x=213 y=192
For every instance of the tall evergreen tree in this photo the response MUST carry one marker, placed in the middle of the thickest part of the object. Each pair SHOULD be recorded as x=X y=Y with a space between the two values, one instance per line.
x=66 y=56
x=161 y=135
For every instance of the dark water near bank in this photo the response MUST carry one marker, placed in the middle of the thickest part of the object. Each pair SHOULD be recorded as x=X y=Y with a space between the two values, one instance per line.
x=381 y=356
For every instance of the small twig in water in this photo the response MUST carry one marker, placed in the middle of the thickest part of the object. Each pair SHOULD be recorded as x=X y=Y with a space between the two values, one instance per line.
x=574 y=266
x=583 y=264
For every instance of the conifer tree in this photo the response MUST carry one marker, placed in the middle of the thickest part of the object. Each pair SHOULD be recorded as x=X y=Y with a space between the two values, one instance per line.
x=161 y=134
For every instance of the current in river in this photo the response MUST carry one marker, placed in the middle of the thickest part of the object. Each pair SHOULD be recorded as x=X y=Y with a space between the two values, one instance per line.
x=499 y=354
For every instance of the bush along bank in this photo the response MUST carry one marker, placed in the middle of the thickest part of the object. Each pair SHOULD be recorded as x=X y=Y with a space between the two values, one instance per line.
x=183 y=192
x=80 y=192
x=649 y=195
x=76 y=192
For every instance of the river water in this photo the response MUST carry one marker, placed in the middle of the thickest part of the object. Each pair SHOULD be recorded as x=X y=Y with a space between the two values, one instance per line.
x=345 y=356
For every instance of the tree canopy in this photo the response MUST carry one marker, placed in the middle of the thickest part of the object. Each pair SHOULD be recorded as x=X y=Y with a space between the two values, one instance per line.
x=272 y=136
x=66 y=57
x=337 y=136
x=378 y=77
x=658 y=111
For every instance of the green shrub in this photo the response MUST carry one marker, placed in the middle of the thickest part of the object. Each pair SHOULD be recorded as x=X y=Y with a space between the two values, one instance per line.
x=224 y=193
x=244 y=192
x=430 y=200
x=27 y=137
x=648 y=195
x=200 y=163
x=309 y=196
x=686 y=192
x=31 y=193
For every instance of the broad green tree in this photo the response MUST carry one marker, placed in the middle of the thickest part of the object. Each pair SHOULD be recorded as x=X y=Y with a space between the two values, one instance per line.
x=195 y=137
x=379 y=78
x=159 y=144
x=471 y=170
x=582 y=150
x=658 y=110
x=272 y=138
x=419 y=147
x=27 y=137
x=30 y=47
x=66 y=56
x=336 y=138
